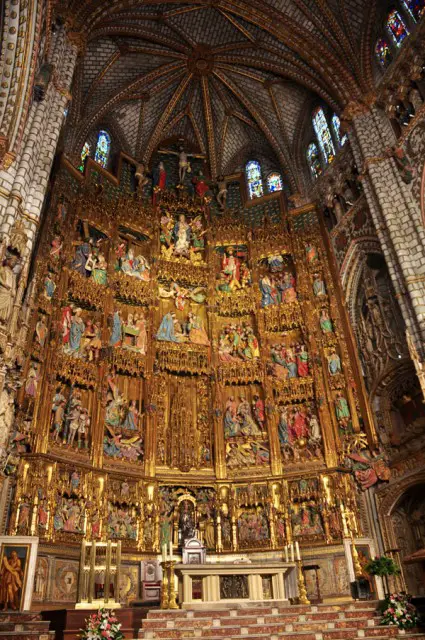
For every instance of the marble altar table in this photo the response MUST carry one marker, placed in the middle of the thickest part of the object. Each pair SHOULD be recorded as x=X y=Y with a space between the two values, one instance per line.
x=243 y=582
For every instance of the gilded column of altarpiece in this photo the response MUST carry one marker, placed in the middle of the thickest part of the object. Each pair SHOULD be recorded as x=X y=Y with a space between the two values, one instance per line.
x=185 y=366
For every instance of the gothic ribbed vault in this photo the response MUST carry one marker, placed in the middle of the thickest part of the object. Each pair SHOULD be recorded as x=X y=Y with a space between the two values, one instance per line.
x=226 y=75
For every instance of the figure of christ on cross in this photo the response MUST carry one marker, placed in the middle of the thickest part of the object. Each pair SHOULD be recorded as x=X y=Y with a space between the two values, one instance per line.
x=184 y=164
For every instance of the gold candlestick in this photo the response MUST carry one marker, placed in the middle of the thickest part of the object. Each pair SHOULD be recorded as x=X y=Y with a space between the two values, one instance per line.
x=356 y=563
x=302 y=592
x=164 y=590
x=172 y=604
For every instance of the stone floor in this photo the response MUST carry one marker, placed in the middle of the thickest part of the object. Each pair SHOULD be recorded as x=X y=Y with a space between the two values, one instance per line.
x=273 y=622
x=25 y=625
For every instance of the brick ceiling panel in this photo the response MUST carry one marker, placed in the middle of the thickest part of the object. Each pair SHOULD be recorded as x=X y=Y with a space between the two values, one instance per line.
x=128 y=117
x=290 y=99
x=97 y=55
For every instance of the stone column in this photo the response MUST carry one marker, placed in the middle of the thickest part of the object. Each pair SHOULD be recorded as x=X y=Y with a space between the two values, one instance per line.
x=32 y=167
x=396 y=216
x=23 y=184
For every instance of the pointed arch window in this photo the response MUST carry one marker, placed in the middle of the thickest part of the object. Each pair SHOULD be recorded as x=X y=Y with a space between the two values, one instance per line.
x=313 y=159
x=323 y=134
x=85 y=152
x=274 y=182
x=397 y=27
x=103 y=148
x=336 y=124
x=383 y=52
x=416 y=8
x=254 y=179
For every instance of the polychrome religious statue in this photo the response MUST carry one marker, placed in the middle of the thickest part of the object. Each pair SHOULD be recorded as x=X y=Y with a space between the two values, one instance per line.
x=201 y=185
x=247 y=454
x=182 y=239
x=311 y=253
x=135 y=266
x=253 y=527
x=49 y=287
x=277 y=288
x=130 y=334
x=325 y=322
x=141 y=178
x=306 y=521
x=121 y=522
x=7 y=287
x=41 y=330
x=159 y=181
x=222 y=192
x=299 y=431
x=342 y=412
x=234 y=273
x=169 y=329
x=319 y=287
x=334 y=363
x=128 y=449
x=289 y=361
x=369 y=469
x=196 y=331
x=181 y=295
x=238 y=343
x=238 y=419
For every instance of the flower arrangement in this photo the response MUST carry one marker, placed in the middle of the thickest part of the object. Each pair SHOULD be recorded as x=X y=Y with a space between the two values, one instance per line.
x=397 y=610
x=102 y=625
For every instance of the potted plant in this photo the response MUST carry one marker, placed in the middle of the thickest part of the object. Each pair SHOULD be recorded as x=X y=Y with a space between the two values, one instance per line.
x=383 y=567
x=102 y=625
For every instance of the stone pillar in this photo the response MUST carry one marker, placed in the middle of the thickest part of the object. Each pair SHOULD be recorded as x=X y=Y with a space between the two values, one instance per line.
x=30 y=172
x=24 y=183
x=396 y=217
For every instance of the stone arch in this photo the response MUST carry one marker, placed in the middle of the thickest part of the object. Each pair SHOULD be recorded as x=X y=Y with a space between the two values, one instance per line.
x=391 y=512
x=352 y=269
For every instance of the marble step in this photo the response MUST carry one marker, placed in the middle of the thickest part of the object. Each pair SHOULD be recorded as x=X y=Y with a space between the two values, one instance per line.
x=353 y=634
x=258 y=631
x=26 y=625
x=27 y=635
x=352 y=609
x=278 y=622
x=336 y=620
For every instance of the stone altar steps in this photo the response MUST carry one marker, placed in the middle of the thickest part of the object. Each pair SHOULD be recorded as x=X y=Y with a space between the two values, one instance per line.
x=25 y=625
x=272 y=621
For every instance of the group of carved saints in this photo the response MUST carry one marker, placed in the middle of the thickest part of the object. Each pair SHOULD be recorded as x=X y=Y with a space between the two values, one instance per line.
x=173 y=339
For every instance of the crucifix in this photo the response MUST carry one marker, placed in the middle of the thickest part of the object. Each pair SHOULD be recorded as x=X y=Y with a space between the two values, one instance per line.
x=184 y=164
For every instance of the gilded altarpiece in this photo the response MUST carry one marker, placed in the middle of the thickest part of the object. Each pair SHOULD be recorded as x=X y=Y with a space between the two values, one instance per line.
x=186 y=371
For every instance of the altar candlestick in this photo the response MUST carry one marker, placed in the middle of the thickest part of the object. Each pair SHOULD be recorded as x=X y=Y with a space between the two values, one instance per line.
x=292 y=552
x=286 y=554
x=297 y=550
x=164 y=553
x=171 y=549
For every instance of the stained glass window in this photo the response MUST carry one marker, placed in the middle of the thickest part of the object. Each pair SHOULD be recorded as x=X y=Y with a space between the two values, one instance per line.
x=102 y=148
x=336 y=123
x=416 y=8
x=313 y=159
x=383 y=52
x=85 y=151
x=274 y=182
x=254 y=179
x=323 y=134
x=397 y=27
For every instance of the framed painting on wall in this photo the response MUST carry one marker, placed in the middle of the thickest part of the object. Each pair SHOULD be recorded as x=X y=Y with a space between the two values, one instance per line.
x=18 y=556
